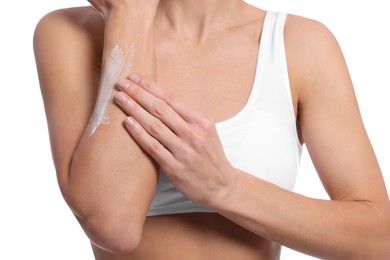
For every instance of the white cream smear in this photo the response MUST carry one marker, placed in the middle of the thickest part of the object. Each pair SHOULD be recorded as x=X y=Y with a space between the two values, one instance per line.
x=118 y=65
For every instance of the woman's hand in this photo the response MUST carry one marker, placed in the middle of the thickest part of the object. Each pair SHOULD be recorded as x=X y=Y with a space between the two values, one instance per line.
x=105 y=6
x=184 y=143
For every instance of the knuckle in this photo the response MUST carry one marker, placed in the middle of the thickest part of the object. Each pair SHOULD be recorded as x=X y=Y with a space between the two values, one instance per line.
x=173 y=172
x=189 y=153
x=146 y=83
x=200 y=142
x=134 y=90
x=207 y=123
x=155 y=127
x=161 y=109
x=185 y=153
x=170 y=98
x=197 y=140
x=172 y=169
x=176 y=167
x=154 y=147
x=190 y=133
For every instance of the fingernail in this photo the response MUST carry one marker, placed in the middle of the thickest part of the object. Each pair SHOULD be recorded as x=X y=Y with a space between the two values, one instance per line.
x=123 y=84
x=135 y=77
x=129 y=121
x=120 y=97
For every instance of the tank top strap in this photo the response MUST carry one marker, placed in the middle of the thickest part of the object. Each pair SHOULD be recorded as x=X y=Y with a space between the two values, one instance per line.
x=281 y=53
x=274 y=94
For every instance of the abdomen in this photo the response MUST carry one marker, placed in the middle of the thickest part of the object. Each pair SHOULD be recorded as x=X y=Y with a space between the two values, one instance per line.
x=196 y=236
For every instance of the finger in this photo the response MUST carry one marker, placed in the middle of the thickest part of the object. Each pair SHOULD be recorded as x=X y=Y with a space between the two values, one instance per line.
x=175 y=103
x=152 y=146
x=151 y=124
x=153 y=105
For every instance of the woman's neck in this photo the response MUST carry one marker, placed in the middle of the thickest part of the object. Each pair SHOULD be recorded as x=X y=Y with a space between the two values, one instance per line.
x=195 y=20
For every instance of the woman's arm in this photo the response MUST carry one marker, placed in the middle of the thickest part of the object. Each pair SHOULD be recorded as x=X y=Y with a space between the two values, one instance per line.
x=354 y=224
x=105 y=178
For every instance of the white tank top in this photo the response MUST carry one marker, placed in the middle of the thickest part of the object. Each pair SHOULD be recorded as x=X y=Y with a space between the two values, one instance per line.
x=262 y=138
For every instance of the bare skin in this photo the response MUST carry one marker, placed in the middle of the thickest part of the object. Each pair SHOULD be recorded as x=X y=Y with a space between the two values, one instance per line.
x=235 y=233
x=196 y=236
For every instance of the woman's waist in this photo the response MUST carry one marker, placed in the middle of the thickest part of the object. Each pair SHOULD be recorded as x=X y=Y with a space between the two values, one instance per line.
x=197 y=236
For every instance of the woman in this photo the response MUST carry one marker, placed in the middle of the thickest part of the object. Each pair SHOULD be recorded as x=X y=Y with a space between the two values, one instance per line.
x=198 y=157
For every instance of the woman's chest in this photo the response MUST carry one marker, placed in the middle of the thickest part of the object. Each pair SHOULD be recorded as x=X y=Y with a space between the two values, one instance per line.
x=215 y=80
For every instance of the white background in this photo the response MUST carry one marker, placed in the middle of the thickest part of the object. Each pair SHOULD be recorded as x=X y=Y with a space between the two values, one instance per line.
x=35 y=223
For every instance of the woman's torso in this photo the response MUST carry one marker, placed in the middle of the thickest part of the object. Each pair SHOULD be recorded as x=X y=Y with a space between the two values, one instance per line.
x=196 y=236
x=215 y=77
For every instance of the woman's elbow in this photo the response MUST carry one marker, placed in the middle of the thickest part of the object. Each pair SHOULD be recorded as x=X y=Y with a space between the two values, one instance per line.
x=111 y=222
x=107 y=228
x=113 y=234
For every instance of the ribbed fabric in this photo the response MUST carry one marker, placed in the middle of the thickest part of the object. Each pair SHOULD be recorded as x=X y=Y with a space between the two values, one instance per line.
x=261 y=139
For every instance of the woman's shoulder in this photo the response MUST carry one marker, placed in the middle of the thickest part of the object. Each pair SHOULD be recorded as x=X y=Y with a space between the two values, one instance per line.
x=307 y=33
x=80 y=17
x=71 y=24
x=67 y=47
x=310 y=47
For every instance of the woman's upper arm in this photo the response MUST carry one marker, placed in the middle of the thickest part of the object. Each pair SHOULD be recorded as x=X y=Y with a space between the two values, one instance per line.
x=329 y=117
x=67 y=61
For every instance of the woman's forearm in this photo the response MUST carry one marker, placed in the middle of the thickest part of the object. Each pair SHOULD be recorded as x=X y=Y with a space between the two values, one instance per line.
x=326 y=229
x=124 y=38
x=111 y=181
